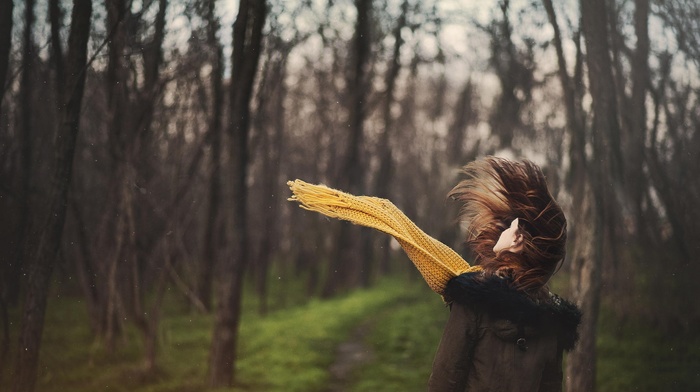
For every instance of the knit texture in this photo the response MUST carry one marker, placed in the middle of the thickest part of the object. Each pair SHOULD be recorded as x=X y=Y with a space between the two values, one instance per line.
x=437 y=262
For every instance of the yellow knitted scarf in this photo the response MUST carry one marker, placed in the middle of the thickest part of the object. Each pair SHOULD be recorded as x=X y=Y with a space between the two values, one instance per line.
x=437 y=262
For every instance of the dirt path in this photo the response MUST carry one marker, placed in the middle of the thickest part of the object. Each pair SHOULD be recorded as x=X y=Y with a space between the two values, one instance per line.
x=350 y=355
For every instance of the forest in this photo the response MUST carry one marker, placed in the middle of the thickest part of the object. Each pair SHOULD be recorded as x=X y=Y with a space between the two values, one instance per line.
x=146 y=239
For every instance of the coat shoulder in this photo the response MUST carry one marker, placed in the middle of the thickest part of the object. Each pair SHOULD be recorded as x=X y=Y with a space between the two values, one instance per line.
x=495 y=295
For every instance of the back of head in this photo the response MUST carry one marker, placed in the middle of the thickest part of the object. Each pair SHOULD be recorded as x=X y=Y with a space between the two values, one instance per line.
x=496 y=192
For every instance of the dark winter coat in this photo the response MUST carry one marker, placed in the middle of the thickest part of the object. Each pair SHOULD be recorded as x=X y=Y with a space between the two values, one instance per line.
x=498 y=339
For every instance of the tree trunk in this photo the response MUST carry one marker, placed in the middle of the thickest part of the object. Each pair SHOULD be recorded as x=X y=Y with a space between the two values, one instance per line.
x=382 y=184
x=5 y=47
x=115 y=86
x=86 y=274
x=606 y=133
x=350 y=240
x=26 y=87
x=130 y=119
x=604 y=168
x=150 y=333
x=659 y=179
x=585 y=284
x=636 y=180
x=5 y=344
x=574 y=111
x=273 y=142
x=6 y=7
x=152 y=59
x=212 y=235
x=56 y=20
x=247 y=44
x=43 y=244
x=465 y=115
x=146 y=320
x=505 y=120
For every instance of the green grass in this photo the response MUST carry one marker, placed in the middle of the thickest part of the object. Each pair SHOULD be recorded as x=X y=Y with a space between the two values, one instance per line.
x=292 y=348
x=289 y=350
x=637 y=357
x=405 y=339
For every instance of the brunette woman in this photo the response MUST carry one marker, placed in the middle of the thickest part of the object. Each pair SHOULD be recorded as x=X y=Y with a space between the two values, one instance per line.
x=506 y=330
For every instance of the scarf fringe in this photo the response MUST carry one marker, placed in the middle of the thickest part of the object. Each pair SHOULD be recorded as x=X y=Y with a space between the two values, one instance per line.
x=437 y=262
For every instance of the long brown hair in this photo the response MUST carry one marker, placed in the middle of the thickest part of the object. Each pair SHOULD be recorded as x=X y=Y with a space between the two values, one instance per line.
x=497 y=191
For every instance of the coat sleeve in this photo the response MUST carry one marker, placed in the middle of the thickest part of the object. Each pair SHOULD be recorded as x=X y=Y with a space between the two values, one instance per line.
x=455 y=352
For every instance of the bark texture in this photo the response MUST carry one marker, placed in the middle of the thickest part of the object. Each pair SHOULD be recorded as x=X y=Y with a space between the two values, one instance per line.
x=351 y=241
x=6 y=7
x=605 y=169
x=45 y=236
x=247 y=45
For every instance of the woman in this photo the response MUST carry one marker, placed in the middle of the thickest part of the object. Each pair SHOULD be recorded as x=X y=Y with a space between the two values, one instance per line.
x=506 y=331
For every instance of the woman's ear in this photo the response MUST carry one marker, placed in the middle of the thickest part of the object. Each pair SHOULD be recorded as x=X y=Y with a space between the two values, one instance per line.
x=518 y=243
x=511 y=239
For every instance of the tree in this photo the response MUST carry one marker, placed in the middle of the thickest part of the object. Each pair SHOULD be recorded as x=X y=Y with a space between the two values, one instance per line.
x=44 y=239
x=56 y=19
x=6 y=7
x=26 y=161
x=636 y=136
x=350 y=174
x=572 y=104
x=5 y=47
x=116 y=91
x=669 y=159
x=680 y=16
x=604 y=168
x=385 y=173
x=515 y=74
x=247 y=43
x=270 y=125
x=213 y=229
x=133 y=236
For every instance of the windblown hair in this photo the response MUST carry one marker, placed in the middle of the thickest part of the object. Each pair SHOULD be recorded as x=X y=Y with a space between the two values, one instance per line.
x=497 y=191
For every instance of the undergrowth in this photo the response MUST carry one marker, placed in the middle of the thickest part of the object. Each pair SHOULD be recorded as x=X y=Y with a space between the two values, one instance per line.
x=288 y=350
x=292 y=347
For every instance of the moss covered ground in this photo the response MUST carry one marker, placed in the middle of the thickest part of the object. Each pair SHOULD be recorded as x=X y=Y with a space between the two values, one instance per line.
x=292 y=348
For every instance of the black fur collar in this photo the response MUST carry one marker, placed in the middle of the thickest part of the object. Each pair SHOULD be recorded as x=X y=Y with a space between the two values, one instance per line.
x=496 y=296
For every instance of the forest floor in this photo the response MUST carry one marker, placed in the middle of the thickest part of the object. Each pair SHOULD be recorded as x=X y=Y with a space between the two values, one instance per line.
x=351 y=355
x=380 y=339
